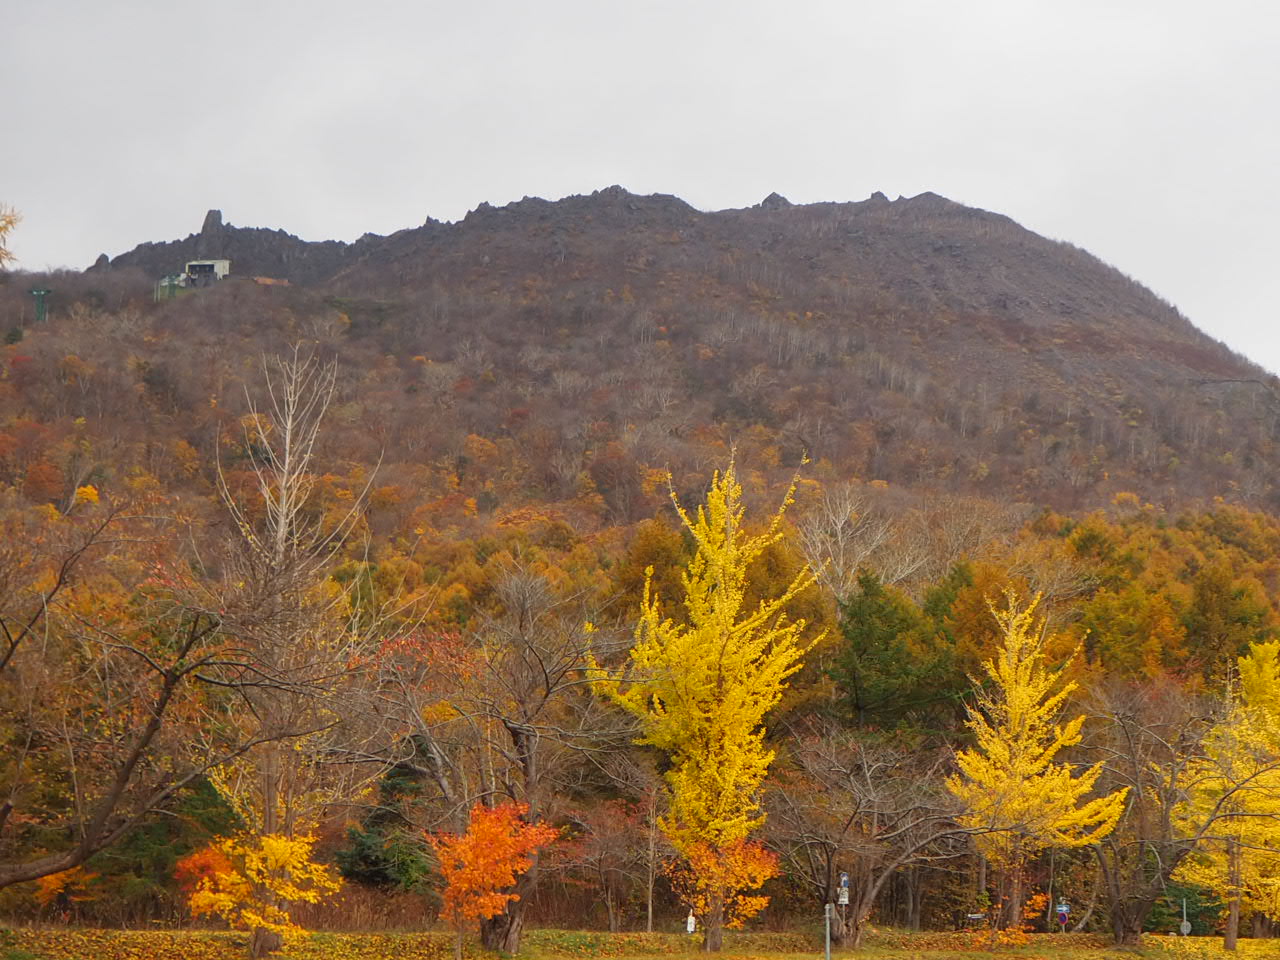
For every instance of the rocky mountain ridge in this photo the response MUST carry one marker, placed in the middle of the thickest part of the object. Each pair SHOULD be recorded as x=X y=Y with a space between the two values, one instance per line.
x=915 y=340
x=262 y=251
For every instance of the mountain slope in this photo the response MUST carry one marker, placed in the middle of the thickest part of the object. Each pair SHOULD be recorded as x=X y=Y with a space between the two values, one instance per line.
x=915 y=341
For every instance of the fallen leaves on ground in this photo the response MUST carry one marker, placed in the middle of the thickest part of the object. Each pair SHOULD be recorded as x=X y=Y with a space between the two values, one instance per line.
x=89 y=944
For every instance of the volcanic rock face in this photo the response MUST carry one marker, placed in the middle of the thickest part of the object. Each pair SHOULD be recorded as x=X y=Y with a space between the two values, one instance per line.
x=212 y=237
x=916 y=340
x=252 y=252
x=968 y=281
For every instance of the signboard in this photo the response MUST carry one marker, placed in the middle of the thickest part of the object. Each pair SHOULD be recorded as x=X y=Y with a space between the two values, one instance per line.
x=1064 y=913
x=842 y=894
x=1185 y=928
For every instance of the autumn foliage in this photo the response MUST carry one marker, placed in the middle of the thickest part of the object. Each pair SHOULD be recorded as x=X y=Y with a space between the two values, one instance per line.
x=61 y=890
x=702 y=685
x=250 y=882
x=488 y=480
x=480 y=866
x=1018 y=794
x=199 y=866
x=9 y=218
x=732 y=871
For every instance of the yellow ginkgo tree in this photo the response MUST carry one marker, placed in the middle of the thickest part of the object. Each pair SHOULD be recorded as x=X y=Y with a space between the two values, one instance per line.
x=257 y=876
x=1019 y=798
x=9 y=218
x=701 y=685
x=1233 y=797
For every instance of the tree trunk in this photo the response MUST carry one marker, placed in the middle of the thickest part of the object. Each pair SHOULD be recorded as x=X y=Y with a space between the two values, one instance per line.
x=1083 y=920
x=1127 y=921
x=611 y=908
x=839 y=927
x=915 y=900
x=264 y=942
x=502 y=933
x=648 y=905
x=1049 y=902
x=1134 y=877
x=1013 y=915
x=855 y=930
x=652 y=864
x=1232 y=932
x=457 y=943
x=713 y=932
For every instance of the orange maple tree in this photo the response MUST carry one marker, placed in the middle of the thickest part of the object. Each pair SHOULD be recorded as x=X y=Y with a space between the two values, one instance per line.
x=730 y=871
x=200 y=865
x=480 y=866
x=65 y=889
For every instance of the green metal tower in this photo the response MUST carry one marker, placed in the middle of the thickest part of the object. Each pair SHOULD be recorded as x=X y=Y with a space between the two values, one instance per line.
x=166 y=287
x=41 y=311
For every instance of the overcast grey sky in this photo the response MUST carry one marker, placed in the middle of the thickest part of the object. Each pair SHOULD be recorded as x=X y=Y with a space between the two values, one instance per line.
x=1148 y=133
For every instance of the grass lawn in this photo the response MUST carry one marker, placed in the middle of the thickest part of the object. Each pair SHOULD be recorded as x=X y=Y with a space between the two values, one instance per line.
x=86 y=944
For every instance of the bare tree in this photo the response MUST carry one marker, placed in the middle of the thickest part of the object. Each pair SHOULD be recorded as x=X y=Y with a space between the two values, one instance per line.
x=850 y=530
x=503 y=712
x=111 y=681
x=305 y=685
x=871 y=809
x=840 y=534
x=1151 y=739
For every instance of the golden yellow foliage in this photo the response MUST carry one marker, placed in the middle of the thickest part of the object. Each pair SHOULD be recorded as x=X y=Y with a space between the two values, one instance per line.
x=9 y=218
x=86 y=494
x=1236 y=788
x=1010 y=782
x=702 y=685
x=268 y=874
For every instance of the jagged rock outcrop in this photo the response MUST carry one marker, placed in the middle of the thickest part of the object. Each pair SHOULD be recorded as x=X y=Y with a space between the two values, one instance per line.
x=923 y=254
x=253 y=251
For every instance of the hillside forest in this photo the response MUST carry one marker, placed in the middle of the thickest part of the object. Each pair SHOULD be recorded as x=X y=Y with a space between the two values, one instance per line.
x=431 y=592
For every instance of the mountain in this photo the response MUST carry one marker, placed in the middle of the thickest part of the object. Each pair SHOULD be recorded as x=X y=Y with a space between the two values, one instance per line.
x=914 y=341
x=254 y=251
